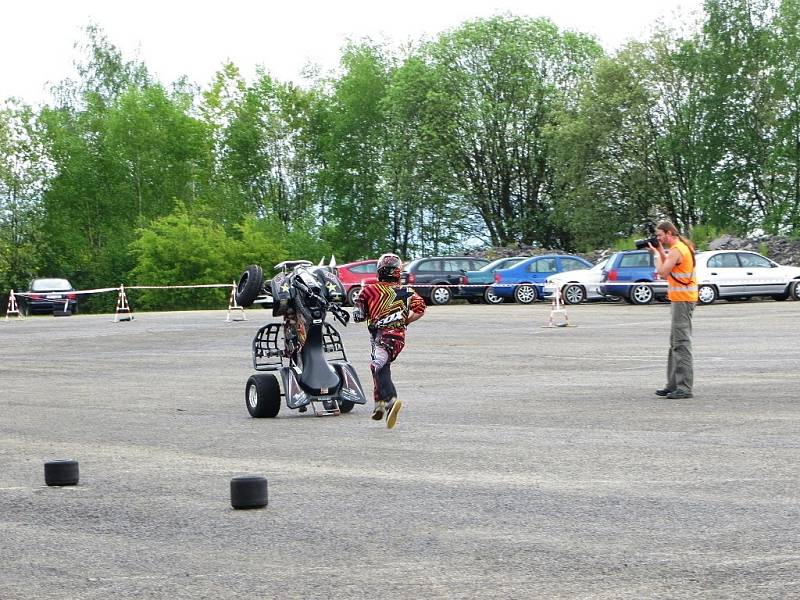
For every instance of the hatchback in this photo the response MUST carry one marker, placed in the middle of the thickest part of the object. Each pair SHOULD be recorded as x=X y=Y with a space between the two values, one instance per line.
x=524 y=282
x=436 y=278
x=735 y=274
x=354 y=275
x=632 y=275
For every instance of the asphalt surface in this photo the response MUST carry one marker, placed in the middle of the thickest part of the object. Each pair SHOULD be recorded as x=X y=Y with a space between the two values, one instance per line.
x=527 y=462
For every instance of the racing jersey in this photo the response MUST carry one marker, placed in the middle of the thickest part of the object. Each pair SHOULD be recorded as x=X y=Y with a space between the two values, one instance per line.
x=386 y=306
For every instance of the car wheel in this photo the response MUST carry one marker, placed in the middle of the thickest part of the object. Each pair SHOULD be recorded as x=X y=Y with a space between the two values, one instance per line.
x=706 y=294
x=262 y=395
x=525 y=293
x=440 y=295
x=345 y=406
x=794 y=289
x=352 y=294
x=249 y=287
x=491 y=298
x=641 y=294
x=780 y=297
x=573 y=294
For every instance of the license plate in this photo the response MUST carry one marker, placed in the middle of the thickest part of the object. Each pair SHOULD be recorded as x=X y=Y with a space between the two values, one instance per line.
x=54 y=297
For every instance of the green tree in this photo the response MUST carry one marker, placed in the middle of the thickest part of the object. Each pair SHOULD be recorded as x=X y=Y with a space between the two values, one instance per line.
x=183 y=249
x=24 y=172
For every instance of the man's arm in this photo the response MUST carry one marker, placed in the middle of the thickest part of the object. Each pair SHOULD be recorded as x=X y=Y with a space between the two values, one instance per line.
x=665 y=262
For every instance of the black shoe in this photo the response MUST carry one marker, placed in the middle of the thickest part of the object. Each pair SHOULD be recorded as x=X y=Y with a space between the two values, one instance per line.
x=664 y=392
x=678 y=395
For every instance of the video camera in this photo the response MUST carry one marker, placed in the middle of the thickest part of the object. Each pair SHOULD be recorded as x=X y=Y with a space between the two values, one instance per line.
x=652 y=240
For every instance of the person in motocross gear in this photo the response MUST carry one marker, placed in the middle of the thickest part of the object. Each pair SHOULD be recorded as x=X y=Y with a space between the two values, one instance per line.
x=388 y=308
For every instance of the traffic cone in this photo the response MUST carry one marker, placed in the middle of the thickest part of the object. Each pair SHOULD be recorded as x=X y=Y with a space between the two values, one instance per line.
x=12 y=308
x=233 y=305
x=123 y=311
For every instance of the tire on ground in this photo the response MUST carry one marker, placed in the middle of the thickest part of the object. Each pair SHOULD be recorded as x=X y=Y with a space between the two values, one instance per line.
x=573 y=293
x=262 y=395
x=490 y=297
x=352 y=294
x=525 y=293
x=441 y=295
x=706 y=294
x=249 y=491
x=641 y=293
x=61 y=472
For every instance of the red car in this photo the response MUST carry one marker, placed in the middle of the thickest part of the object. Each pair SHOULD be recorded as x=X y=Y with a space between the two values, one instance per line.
x=353 y=275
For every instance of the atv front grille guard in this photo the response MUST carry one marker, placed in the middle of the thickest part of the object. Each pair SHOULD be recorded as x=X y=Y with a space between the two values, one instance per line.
x=270 y=351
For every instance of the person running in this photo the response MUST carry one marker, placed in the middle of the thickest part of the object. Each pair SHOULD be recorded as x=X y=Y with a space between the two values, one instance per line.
x=388 y=308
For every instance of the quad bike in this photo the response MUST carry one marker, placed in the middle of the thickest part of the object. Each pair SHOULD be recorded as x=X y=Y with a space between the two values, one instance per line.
x=305 y=350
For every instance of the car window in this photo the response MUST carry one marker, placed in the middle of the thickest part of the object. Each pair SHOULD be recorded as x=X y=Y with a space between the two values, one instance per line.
x=508 y=262
x=50 y=285
x=365 y=268
x=723 y=261
x=429 y=266
x=753 y=260
x=639 y=259
x=455 y=264
x=571 y=264
x=478 y=263
x=543 y=265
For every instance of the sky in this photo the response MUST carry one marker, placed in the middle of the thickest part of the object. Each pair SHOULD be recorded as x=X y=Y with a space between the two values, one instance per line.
x=177 y=38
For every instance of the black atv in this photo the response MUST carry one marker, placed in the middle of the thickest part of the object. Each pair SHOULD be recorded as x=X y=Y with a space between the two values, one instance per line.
x=306 y=350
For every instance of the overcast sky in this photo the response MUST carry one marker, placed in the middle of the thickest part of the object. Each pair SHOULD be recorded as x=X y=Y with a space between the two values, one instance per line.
x=177 y=37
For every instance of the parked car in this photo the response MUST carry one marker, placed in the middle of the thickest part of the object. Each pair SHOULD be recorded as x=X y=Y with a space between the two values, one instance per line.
x=524 y=282
x=742 y=274
x=577 y=286
x=49 y=295
x=355 y=274
x=437 y=278
x=631 y=275
x=480 y=281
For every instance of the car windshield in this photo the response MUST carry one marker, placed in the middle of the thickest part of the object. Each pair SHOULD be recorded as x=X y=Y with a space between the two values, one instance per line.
x=50 y=285
x=599 y=266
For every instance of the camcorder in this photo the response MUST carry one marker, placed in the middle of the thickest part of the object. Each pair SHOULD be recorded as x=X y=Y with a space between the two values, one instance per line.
x=652 y=239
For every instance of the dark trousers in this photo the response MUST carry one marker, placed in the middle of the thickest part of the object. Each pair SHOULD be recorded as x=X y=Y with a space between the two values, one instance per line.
x=385 y=349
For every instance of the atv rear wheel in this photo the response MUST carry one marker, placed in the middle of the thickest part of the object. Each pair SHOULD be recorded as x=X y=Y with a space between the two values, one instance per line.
x=262 y=395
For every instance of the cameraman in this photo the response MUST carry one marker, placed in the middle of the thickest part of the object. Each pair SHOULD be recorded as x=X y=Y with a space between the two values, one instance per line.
x=677 y=267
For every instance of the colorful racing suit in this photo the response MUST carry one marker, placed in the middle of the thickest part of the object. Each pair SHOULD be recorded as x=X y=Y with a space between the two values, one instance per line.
x=385 y=306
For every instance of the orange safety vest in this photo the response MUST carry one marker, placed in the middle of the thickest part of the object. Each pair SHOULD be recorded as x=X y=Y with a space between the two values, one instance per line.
x=682 y=280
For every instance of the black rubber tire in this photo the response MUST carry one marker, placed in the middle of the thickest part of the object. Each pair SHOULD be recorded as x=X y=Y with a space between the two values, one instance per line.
x=346 y=406
x=262 y=395
x=522 y=295
x=794 y=289
x=780 y=297
x=573 y=293
x=250 y=285
x=707 y=294
x=61 y=472
x=352 y=293
x=249 y=491
x=491 y=298
x=441 y=295
x=474 y=300
x=642 y=293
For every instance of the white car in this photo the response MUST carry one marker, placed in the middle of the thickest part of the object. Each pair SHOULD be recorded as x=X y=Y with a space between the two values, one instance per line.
x=743 y=274
x=578 y=285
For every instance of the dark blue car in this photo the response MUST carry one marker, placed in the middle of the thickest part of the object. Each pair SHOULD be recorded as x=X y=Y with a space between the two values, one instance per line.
x=524 y=282
x=632 y=275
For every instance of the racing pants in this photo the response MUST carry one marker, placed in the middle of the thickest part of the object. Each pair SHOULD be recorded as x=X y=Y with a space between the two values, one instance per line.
x=385 y=349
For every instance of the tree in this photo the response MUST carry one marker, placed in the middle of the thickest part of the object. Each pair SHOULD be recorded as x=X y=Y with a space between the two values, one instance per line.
x=24 y=171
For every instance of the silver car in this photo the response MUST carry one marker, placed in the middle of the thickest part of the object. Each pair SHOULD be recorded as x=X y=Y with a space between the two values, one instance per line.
x=732 y=274
x=578 y=285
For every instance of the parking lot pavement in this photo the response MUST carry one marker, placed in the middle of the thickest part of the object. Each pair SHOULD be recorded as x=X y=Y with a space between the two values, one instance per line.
x=528 y=462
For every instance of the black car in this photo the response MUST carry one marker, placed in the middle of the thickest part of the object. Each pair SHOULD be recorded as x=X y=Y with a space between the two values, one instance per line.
x=49 y=296
x=436 y=278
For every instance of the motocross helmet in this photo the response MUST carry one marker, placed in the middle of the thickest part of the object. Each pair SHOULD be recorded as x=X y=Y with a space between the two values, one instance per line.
x=389 y=266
